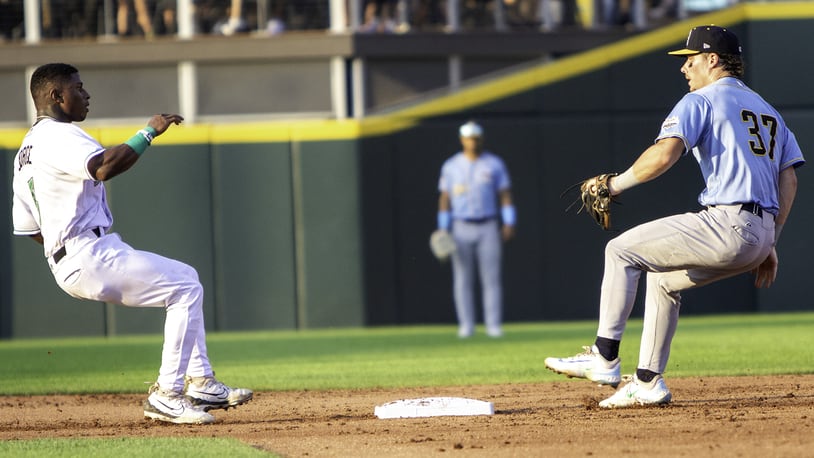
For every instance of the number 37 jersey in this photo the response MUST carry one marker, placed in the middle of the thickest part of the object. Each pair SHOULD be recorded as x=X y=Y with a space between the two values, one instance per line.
x=740 y=142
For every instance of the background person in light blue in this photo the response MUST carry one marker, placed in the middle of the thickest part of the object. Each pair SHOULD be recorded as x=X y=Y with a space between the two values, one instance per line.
x=475 y=201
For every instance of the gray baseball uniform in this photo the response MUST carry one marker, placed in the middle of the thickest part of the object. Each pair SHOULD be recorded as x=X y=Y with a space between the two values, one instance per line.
x=741 y=144
x=747 y=157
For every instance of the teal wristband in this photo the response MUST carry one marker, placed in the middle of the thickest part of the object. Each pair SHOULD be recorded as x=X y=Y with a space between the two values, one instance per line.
x=141 y=140
x=509 y=215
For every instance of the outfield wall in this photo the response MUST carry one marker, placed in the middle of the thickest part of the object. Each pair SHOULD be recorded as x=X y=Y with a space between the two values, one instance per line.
x=318 y=223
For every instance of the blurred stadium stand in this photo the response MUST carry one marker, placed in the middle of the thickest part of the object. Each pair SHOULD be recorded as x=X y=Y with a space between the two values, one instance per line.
x=35 y=20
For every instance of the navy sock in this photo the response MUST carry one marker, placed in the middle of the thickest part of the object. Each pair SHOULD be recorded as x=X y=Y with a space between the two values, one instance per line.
x=645 y=375
x=608 y=348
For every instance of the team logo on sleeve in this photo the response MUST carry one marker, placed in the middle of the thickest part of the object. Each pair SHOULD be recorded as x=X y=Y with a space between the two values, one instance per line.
x=670 y=123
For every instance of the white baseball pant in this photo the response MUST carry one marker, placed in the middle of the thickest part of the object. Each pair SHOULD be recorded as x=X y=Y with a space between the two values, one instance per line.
x=107 y=269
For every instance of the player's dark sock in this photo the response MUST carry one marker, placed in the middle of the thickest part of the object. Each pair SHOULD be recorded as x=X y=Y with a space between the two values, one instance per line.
x=645 y=375
x=608 y=348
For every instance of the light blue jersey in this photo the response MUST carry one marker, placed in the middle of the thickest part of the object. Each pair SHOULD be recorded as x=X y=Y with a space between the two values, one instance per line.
x=473 y=186
x=740 y=142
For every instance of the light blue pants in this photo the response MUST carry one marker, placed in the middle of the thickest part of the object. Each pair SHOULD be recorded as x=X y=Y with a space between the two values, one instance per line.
x=478 y=251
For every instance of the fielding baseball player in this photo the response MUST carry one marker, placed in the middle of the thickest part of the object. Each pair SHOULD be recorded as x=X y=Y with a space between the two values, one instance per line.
x=59 y=201
x=747 y=157
x=475 y=196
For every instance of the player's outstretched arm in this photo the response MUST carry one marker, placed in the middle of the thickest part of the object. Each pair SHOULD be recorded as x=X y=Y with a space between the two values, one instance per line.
x=654 y=161
x=118 y=159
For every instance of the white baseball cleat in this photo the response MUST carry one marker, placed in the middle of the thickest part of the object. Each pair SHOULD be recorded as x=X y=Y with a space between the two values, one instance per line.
x=173 y=407
x=208 y=393
x=638 y=393
x=588 y=365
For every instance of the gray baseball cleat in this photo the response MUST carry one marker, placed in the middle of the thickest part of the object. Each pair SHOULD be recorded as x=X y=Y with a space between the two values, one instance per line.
x=588 y=365
x=638 y=393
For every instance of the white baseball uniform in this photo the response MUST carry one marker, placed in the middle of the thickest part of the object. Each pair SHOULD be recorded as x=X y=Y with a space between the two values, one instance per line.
x=55 y=195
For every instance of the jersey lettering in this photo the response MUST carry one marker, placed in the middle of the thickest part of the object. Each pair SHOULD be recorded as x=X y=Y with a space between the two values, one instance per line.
x=24 y=157
x=758 y=146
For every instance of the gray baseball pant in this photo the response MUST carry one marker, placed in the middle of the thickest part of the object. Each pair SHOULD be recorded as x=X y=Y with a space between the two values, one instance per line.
x=677 y=253
x=478 y=250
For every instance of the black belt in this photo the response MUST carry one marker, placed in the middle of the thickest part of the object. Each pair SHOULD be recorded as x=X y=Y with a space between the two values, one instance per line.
x=478 y=220
x=61 y=252
x=752 y=208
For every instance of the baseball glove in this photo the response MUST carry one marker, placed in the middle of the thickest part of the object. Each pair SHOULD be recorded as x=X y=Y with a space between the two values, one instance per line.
x=596 y=199
x=442 y=244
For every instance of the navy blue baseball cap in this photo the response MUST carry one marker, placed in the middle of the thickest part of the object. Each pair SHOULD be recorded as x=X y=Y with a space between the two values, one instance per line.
x=710 y=38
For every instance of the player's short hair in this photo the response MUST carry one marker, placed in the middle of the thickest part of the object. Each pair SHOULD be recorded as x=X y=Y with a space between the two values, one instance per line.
x=733 y=64
x=50 y=74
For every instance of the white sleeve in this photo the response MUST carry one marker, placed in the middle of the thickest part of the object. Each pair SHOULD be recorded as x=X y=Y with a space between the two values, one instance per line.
x=72 y=154
x=25 y=220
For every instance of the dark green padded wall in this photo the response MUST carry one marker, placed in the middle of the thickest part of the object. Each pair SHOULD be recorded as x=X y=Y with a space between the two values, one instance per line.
x=326 y=177
x=164 y=205
x=254 y=237
x=5 y=246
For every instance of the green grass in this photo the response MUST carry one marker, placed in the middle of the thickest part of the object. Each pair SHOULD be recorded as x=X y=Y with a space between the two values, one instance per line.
x=402 y=356
x=129 y=448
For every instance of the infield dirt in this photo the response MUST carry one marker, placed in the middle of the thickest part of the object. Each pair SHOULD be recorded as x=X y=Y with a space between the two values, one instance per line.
x=722 y=416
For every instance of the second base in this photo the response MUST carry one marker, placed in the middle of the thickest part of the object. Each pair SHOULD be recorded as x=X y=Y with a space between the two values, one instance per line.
x=434 y=407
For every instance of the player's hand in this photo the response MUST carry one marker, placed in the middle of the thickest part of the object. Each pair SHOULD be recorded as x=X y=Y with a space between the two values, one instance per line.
x=507 y=232
x=766 y=272
x=161 y=122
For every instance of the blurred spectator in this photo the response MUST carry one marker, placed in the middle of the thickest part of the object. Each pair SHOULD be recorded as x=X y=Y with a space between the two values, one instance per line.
x=276 y=23
x=208 y=13
x=428 y=14
x=124 y=20
x=380 y=16
x=521 y=13
x=545 y=15
x=477 y=14
x=165 y=20
x=693 y=7
x=235 y=22
x=69 y=18
x=612 y=13
x=11 y=20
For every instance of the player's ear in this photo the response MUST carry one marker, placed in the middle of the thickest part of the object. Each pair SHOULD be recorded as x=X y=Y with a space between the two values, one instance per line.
x=55 y=95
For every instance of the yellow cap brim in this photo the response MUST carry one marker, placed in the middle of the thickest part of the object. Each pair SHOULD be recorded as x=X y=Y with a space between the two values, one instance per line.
x=684 y=52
